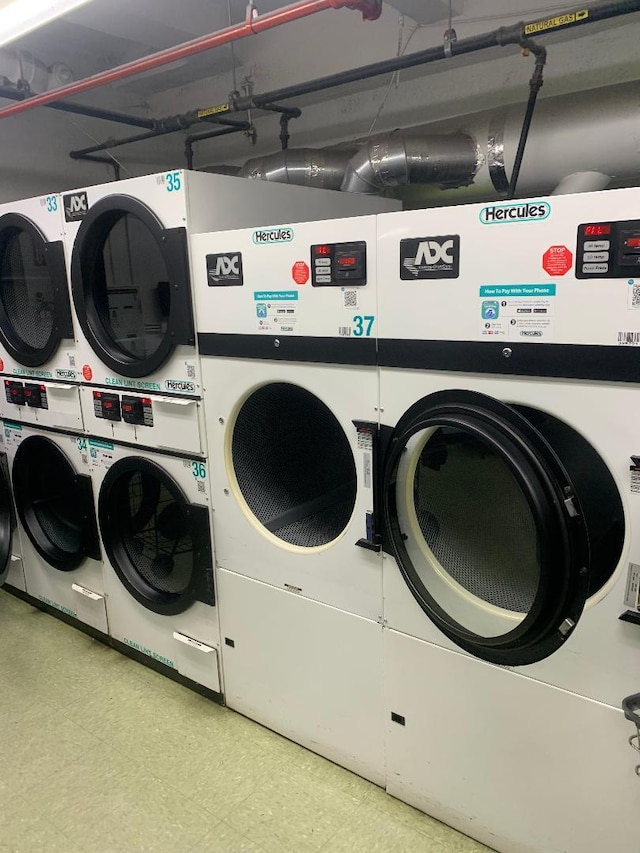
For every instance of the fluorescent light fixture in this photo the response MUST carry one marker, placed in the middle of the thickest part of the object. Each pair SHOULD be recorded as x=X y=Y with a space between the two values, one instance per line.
x=19 y=17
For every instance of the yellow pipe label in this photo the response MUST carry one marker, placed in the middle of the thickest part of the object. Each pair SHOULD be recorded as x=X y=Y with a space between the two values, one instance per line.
x=555 y=23
x=214 y=111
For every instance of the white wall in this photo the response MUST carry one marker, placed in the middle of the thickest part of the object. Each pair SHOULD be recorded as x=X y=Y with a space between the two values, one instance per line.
x=35 y=146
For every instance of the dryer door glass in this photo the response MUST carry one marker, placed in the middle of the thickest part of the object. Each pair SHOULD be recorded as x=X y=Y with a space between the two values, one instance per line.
x=51 y=500
x=293 y=466
x=158 y=543
x=503 y=521
x=33 y=292
x=133 y=293
x=130 y=284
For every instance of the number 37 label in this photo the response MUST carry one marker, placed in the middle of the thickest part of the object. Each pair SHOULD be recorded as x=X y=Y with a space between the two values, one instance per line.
x=362 y=325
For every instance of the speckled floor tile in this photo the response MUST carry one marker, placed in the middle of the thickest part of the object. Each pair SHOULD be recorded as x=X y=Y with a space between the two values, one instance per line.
x=225 y=839
x=22 y=830
x=293 y=811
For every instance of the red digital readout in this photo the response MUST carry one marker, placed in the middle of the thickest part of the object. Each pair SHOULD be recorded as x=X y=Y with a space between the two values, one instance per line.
x=323 y=250
x=632 y=242
x=346 y=262
x=597 y=230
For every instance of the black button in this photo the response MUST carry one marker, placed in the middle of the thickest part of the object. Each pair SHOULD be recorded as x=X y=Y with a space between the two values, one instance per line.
x=132 y=410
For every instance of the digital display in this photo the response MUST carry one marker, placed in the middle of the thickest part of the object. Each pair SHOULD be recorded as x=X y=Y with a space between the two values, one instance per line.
x=632 y=242
x=597 y=230
x=323 y=250
x=347 y=262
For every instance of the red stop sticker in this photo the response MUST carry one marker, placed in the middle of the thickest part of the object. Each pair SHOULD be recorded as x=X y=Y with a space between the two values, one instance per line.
x=557 y=260
x=300 y=272
x=87 y=372
x=1 y=365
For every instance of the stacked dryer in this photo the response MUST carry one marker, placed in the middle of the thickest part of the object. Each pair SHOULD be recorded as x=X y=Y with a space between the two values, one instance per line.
x=509 y=369
x=129 y=258
x=287 y=321
x=40 y=404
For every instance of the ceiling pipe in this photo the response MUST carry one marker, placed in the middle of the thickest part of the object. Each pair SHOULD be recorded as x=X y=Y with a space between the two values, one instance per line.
x=82 y=110
x=251 y=26
x=512 y=35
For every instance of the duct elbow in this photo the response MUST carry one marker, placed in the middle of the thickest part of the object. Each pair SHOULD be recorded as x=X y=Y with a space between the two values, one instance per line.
x=449 y=161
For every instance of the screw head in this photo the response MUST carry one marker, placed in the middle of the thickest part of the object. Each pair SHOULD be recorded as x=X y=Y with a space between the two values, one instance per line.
x=226 y=491
x=507 y=352
x=220 y=420
x=276 y=343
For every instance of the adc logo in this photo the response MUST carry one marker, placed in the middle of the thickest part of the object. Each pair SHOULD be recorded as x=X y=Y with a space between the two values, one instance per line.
x=430 y=257
x=225 y=270
x=75 y=206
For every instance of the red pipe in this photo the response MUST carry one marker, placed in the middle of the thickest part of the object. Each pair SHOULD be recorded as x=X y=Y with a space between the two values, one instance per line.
x=269 y=21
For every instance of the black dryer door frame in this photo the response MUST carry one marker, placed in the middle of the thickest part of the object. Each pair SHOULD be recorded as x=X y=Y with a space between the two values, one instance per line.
x=564 y=548
x=85 y=266
x=27 y=461
x=62 y=328
x=7 y=518
x=113 y=532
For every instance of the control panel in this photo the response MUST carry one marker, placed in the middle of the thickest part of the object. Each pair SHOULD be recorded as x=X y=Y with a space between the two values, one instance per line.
x=14 y=392
x=608 y=249
x=339 y=264
x=132 y=410
x=35 y=395
x=137 y=411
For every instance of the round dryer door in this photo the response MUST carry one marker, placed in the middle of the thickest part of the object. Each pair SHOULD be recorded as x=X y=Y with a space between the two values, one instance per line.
x=7 y=521
x=503 y=521
x=34 y=295
x=131 y=287
x=55 y=504
x=292 y=467
x=158 y=543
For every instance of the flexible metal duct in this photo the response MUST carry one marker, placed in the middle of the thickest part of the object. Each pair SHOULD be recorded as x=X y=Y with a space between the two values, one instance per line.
x=448 y=161
x=308 y=167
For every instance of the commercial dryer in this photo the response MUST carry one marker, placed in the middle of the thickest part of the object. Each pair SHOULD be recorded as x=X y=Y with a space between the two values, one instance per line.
x=508 y=483
x=288 y=346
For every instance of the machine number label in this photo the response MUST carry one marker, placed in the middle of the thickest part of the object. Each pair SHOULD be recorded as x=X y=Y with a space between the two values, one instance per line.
x=174 y=182
x=82 y=443
x=199 y=470
x=51 y=202
x=362 y=325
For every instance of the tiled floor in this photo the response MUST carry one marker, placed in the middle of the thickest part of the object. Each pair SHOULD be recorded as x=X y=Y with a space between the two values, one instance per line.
x=98 y=753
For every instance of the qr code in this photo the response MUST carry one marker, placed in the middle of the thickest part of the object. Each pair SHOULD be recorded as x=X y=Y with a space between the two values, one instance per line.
x=344 y=331
x=191 y=371
x=350 y=298
x=201 y=487
x=85 y=458
x=186 y=463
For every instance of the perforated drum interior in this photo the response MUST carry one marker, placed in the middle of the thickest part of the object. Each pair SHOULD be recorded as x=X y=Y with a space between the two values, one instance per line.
x=293 y=465
x=26 y=289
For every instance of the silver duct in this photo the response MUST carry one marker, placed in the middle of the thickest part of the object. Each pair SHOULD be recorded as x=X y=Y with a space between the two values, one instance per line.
x=582 y=182
x=308 y=167
x=447 y=161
